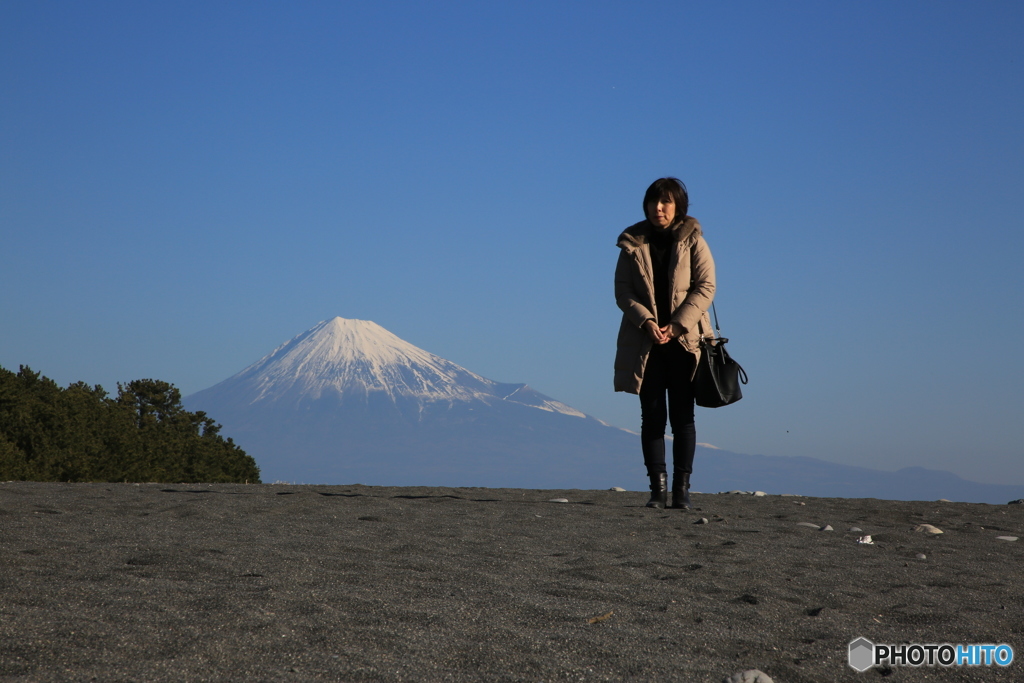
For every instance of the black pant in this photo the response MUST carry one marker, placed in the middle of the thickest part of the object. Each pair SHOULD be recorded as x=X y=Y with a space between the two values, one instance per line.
x=668 y=371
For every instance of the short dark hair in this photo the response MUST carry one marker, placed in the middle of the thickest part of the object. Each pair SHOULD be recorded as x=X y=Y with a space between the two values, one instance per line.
x=668 y=188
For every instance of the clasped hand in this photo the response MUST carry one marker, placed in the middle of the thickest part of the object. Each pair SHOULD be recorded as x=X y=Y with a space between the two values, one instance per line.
x=662 y=335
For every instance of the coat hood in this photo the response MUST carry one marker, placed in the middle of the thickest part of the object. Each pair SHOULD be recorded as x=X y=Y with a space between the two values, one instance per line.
x=686 y=230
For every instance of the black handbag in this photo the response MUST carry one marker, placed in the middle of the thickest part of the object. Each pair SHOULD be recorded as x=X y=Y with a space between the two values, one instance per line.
x=718 y=378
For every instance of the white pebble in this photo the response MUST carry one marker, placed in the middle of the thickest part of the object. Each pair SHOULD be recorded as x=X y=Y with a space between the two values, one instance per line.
x=922 y=556
x=1006 y=538
x=808 y=524
x=865 y=540
x=827 y=527
x=559 y=500
x=760 y=493
x=749 y=676
x=928 y=529
x=617 y=488
x=855 y=528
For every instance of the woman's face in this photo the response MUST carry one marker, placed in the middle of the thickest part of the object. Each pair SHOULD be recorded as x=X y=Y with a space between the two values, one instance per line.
x=662 y=212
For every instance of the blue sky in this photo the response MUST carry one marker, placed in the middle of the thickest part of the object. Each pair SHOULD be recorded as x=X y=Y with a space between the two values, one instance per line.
x=184 y=186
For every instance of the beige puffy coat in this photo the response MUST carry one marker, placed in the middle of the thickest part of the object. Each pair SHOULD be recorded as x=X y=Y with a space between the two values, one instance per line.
x=692 y=284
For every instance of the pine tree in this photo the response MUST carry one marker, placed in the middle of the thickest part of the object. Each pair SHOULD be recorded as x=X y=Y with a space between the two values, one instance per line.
x=80 y=434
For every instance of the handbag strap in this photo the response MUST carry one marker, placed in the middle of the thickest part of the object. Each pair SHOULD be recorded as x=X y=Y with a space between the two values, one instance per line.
x=725 y=354
x=718 y=332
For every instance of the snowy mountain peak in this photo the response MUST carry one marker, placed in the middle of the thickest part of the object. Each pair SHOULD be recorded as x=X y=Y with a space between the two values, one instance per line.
x=341 y=340
x=357 y=357
x=358 y=360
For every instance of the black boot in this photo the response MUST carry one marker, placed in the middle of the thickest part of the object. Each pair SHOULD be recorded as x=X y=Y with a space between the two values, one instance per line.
x=681 y=491
x=659 y=490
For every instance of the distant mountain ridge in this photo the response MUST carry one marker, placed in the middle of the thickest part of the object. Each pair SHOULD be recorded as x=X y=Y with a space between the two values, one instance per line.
x=720 y=470
x=349 y=402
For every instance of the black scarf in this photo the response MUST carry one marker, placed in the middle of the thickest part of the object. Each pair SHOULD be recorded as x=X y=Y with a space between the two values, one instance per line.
x=661 y=242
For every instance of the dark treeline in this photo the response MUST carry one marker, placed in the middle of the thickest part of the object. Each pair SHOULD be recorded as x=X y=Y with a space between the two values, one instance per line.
x=81 y=434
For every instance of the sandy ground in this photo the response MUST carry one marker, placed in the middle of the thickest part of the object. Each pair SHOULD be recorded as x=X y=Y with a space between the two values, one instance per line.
x=160 y=582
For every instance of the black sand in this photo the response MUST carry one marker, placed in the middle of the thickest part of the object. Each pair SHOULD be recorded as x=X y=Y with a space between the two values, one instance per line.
x=161 y=582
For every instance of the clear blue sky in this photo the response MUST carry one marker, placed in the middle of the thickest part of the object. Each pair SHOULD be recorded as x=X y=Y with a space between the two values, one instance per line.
x=184 y=186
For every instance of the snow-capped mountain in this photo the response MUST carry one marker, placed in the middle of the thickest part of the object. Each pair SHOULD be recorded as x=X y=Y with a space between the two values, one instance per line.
x=351 y=360
x=347 y=400
x=358 y=356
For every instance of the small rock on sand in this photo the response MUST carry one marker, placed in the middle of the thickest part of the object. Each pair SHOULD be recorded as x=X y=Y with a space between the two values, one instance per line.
x=827 y=527
x=702 y=520
x=928 y=529
x=809 y=525
x=617 y=488
x=922 y=556
x=1019 y=501
x=855 y=528
x=865 y=540
x=1006 y=538
x=559 y=500
x=760 y=493
x=750 y=676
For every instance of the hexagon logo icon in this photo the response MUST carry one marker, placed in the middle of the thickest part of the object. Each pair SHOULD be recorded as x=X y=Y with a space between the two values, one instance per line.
x=862 y=654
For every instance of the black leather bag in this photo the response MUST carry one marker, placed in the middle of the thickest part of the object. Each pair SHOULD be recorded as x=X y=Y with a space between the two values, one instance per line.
x=718 y=378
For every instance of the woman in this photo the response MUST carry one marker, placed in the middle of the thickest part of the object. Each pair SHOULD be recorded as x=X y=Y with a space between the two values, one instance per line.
x=664 y=284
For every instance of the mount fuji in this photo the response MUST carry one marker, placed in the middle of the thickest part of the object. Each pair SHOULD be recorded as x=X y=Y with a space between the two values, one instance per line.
x=347 y=401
